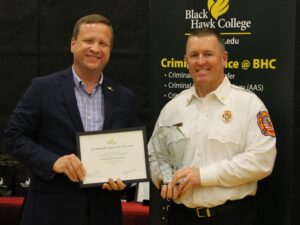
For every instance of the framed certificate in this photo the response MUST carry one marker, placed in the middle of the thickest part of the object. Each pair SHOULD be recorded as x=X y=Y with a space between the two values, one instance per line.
x=120 y=153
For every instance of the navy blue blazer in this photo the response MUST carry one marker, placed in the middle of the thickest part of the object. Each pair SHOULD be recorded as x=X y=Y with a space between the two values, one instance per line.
x=42 y=128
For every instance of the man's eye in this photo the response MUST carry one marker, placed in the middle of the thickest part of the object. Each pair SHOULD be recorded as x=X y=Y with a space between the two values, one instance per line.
x=103 y=45
x=194 y=55
x=88 y=41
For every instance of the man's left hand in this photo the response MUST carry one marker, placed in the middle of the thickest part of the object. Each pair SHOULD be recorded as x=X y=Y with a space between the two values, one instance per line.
x=111 y=185
x=186 y=178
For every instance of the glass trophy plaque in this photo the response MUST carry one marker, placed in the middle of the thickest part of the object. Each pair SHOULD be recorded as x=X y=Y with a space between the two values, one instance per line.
x=169 y=144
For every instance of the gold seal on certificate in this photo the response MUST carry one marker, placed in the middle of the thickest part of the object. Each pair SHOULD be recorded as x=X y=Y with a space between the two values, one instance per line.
x=169 y=144
x=113 y=154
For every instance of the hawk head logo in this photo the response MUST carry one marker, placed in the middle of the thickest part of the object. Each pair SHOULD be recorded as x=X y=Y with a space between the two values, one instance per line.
x=218 y=7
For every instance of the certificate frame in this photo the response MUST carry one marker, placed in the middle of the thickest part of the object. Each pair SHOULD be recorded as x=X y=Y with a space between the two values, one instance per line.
x=116 y=153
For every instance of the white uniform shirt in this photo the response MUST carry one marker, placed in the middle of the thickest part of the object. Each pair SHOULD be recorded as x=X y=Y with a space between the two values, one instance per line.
x=231 y=141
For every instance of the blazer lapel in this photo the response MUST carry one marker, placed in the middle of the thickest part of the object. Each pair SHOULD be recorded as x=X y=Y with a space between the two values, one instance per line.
x=67 y=86
x=108 y=93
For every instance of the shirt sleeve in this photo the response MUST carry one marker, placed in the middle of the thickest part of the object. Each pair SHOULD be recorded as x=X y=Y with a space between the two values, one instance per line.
x=22 y=131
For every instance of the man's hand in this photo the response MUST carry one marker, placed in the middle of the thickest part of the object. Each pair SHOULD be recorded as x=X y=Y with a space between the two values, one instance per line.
x=186 y=178
x=71 y=166
x=169 y=192
x=119 y=185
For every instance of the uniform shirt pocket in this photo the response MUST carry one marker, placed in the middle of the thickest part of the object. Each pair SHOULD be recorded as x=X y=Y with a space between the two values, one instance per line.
x=223 y=143
x=225 y=135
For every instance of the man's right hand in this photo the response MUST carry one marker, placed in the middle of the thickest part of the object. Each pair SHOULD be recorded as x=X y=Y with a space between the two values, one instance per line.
x=71 y=166
x=169 y=192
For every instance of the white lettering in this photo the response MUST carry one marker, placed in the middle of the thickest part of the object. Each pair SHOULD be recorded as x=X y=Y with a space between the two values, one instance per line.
x=191 y=14
x=234 y=23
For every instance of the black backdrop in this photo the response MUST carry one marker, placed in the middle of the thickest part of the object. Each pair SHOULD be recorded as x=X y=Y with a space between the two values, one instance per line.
x=295 y=206
x=35 y=39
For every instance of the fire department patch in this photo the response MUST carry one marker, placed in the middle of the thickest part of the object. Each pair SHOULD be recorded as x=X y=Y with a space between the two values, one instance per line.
x=265 y=124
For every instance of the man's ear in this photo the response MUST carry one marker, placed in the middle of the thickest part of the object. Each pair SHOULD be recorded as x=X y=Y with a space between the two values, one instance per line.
x=72 y=44
x=225 y=58
x=187 y=65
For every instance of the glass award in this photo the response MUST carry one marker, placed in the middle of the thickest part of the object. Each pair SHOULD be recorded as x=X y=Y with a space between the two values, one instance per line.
x=169 y=144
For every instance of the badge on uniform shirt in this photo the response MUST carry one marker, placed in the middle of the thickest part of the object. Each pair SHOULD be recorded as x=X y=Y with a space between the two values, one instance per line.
x=227 y=116
x=265 y=124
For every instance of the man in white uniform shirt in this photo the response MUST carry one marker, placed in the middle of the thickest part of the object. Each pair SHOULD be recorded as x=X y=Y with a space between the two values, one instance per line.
x=231 y=142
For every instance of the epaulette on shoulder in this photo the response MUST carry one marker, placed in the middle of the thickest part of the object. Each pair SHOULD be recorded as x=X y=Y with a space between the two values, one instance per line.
x=241 y=88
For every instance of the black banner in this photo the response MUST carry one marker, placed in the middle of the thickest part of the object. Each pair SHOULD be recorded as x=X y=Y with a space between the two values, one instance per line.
x=259 y=36
x=35 y=40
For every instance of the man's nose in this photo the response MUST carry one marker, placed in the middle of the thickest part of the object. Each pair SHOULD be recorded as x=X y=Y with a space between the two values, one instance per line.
x=95 y=47
x=201 y=59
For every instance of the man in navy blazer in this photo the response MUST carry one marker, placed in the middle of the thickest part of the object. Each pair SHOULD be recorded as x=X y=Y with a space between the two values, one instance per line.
x=42 y=132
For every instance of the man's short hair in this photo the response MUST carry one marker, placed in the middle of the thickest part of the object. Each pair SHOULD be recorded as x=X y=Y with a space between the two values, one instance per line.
x=205 y=31
x=93 y=18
